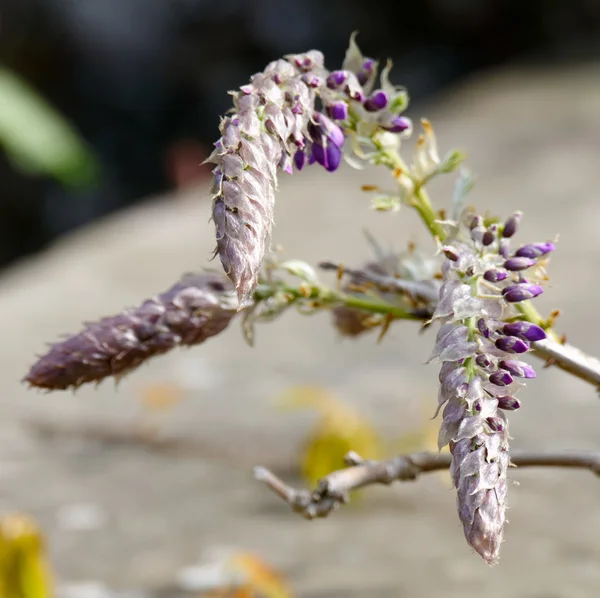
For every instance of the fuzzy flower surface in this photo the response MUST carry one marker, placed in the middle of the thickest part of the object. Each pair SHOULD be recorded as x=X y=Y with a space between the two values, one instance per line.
x=198 y=307
x=274 y=126
x=480 y=345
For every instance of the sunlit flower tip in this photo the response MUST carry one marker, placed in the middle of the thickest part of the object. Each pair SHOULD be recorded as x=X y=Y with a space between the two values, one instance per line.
x=450 y=253
x=493 y=275
x=400 y=124
x=328 y=156
x=524 y=330
x=512 y=344
x=534 y=250
x=483 y=361
x=496 y=424
x=511 y=225
x=517 y=368
x=508 y=403
x=336 y=79
x=489 y=236
x=483 y=328
x=516 y=264
x=521 y=292
x=338 y=110
x=501 y=378
x=300 y=159
x=378 y=100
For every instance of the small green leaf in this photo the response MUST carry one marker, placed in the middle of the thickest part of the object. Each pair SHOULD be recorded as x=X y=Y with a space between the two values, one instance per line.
x=452 y=161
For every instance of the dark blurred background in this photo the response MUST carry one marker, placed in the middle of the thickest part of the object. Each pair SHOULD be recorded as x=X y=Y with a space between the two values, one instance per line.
x=142 y=82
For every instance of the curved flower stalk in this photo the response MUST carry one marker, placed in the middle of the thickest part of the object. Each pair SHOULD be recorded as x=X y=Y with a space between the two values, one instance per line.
x=275 y=126
x=479 y=343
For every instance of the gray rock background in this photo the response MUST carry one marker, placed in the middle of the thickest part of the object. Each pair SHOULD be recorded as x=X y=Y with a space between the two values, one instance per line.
x=533 y=139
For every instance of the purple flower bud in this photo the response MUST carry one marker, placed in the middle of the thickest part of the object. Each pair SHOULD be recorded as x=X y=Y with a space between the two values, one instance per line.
x=495 y=275
x=450 y=253
x=338 y=110
x=366 y=71
x=398 y=125
x=483 y=328
x=496 y=424
x=311 y=80
x=517 y=368
x=511 y=225
x=501 y=378
x=483 y=361
x=489 y=236
x=324 y=126
x=512 y=344
x=515 y=264
x=524 y=330
x=378 y=100
x=329 y=157
x=300 y=159
x=534 y=250
x=336 y=79
x=508 y=403
x=521 y=292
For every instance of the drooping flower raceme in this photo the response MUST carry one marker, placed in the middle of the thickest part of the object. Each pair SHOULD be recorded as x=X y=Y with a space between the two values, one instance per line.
x=480 y=344
x=275 y=125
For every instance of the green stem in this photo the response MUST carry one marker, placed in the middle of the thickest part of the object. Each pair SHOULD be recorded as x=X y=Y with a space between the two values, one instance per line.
x=423 y=206
x=326 y=297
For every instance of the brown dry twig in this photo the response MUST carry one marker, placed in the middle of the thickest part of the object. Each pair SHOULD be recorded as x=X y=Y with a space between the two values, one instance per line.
x=334 y=489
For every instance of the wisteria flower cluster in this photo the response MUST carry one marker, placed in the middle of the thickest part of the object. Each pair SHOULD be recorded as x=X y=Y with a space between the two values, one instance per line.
x=296 y=113
x=276 y=125
x=478 y=343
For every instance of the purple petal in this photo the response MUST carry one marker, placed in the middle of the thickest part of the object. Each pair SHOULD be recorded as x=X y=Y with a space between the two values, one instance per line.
x=524 y=330
x=501 y=378
x=534 y=250
x=512 y=344
x=338 y=110
x=300 y=159
x=511 y=225
x=508 y=403
x=336 y=79
x=495 y=275
x=521 y=292
x=496 y=424
x=378 y=100
x=398 y=125
x=483 y=361
x=366 y=71
x=516 y=264
x=517 y=368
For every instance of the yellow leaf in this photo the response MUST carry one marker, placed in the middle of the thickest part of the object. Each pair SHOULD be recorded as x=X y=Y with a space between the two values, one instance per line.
x=339 y=430
x=24 y=570
x=260 y=579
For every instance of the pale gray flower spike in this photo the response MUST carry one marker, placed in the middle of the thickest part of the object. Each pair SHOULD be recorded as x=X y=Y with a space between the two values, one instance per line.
x=479 y=374
x=275 y=126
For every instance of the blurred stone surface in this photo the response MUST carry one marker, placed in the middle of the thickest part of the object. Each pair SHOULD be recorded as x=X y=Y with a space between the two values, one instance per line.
x=533 y=140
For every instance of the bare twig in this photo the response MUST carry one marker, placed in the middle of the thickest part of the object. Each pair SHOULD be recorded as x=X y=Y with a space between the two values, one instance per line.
x=334 y=489
x=570 y=359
